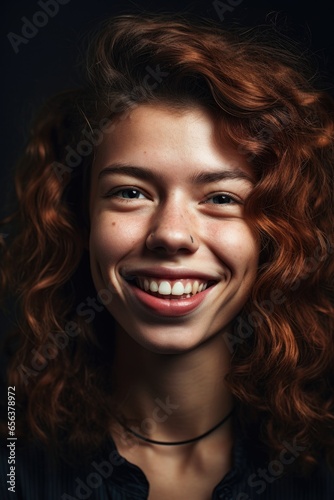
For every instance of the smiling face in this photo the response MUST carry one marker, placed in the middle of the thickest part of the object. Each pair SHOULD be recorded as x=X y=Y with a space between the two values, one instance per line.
x=168 y=234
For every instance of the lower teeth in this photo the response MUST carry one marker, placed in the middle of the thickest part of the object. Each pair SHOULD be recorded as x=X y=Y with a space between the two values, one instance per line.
x=173 y=297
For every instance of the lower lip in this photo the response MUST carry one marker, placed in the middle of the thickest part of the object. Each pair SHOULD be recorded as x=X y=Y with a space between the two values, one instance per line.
x=169 y=307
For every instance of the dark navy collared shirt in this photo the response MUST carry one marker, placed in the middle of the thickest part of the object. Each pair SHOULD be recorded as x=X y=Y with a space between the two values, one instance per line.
x=111 y=477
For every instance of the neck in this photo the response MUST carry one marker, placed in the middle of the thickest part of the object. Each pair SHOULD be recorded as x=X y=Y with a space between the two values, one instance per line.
x=172 y=397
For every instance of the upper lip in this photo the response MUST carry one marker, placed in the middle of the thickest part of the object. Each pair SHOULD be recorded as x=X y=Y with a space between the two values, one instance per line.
x=168 y=273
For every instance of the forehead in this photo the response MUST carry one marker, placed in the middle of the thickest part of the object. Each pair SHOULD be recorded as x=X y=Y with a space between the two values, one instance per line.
x=169 y=141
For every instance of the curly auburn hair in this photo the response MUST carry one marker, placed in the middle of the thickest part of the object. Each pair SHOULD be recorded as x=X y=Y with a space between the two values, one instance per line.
x=272 y=111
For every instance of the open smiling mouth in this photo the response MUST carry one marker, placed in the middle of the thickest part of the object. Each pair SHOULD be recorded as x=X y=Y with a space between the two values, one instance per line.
x=170 y=289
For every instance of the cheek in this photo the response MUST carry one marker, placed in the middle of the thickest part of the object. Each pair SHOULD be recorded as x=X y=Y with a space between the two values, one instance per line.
x=111 y=238
x=236 y=245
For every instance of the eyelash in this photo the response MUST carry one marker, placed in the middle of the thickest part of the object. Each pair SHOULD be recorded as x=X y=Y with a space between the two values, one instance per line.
x=226 y=195
x=113 y=194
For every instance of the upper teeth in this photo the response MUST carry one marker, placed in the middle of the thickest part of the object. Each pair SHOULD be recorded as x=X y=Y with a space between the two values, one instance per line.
x=179 y=287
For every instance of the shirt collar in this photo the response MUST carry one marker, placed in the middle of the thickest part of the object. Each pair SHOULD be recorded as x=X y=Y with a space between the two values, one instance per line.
x=131 y=479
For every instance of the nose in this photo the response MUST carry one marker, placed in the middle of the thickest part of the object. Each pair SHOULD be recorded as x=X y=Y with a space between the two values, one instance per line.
x=172 y=231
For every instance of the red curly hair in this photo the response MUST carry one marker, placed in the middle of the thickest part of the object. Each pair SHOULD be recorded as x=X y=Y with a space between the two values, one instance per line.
x=272 y=111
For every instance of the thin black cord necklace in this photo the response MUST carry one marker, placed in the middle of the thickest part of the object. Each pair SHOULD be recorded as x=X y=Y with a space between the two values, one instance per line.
x=175 y=443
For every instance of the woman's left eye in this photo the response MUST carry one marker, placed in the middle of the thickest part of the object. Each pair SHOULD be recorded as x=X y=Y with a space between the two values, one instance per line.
x=222 y=199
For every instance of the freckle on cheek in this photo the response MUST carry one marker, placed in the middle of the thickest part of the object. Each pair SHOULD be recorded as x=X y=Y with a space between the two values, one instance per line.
x=113 y=223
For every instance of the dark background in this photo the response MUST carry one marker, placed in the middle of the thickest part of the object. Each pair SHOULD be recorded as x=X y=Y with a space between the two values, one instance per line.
x=48 y=62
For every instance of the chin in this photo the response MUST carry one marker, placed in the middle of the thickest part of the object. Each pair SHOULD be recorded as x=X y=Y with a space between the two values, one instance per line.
x=177 y=342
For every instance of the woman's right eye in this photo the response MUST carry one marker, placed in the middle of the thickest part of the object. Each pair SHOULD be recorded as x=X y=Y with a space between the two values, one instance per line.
x=125 y=194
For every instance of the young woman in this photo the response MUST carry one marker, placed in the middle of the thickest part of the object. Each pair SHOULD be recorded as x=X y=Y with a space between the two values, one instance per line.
x=172 y=272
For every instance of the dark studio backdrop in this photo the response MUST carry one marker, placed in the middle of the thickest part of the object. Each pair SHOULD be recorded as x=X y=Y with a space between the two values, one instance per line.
x=41 y=40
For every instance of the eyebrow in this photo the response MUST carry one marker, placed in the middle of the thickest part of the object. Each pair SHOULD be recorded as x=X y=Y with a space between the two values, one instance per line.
x=198 y=178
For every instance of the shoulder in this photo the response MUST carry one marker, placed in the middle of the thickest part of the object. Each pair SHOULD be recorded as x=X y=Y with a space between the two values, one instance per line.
x=274 y=482
x=38 y=475
x=261 y=477
x=32 y=473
